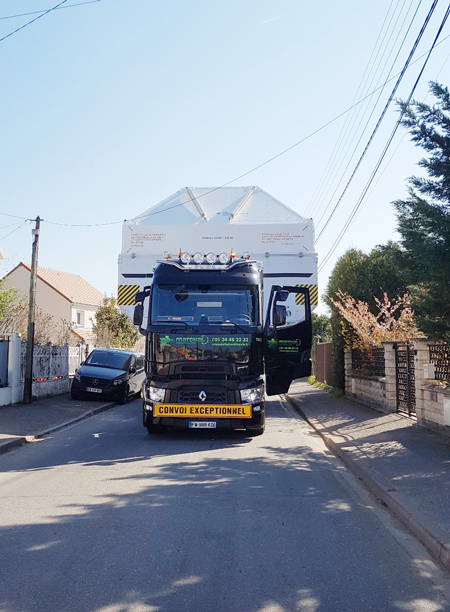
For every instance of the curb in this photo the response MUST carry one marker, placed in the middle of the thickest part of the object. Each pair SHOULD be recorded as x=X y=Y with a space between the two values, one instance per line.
x=18 y=442
x=439 y=550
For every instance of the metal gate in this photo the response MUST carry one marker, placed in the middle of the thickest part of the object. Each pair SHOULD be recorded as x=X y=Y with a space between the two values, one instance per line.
x=404 y=369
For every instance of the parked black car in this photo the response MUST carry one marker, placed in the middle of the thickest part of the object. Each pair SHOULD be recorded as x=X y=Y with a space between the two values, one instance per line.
x=110 y=373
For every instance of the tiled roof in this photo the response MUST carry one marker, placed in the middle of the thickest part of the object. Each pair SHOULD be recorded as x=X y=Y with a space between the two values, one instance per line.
x=88 y=335
x=71 y=286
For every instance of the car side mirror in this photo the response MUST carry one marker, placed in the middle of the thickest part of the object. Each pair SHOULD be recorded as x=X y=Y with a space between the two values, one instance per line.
x=279 y=315
x=133 y=369
x=138 y=314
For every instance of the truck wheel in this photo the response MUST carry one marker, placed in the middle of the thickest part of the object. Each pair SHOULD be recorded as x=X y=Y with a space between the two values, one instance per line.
x=255 y=432
x=154 y=429
x=124 y=395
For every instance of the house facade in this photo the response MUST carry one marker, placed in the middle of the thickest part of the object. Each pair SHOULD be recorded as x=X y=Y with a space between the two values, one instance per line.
x=66 y=297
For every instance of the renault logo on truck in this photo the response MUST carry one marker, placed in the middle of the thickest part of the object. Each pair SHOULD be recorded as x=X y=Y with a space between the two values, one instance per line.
x=202 y=396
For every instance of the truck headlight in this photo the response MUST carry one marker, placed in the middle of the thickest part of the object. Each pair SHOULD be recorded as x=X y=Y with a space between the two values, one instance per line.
x=250 y=396
x=156 y=394
x=119 y=381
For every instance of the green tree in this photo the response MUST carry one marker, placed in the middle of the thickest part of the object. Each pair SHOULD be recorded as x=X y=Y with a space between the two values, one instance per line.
x=366 y=278
x=112 y=326
x=424 y=217
x=321 y=328
x=8 y=298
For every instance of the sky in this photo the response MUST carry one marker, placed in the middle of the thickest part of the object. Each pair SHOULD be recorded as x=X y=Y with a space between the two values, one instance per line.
x=111 y=106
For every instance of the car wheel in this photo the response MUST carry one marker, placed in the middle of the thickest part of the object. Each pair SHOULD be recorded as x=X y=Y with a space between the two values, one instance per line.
x=74 y=395
x=124 y=395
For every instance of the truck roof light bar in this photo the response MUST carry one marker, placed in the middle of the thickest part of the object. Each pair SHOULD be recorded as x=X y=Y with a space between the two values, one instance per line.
x=198 y=258
x=185 y=257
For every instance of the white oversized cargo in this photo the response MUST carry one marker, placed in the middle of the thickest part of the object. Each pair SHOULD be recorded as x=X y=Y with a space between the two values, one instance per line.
x=220 y=220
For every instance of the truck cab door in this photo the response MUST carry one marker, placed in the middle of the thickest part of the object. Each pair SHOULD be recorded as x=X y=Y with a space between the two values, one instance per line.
x=287 y=348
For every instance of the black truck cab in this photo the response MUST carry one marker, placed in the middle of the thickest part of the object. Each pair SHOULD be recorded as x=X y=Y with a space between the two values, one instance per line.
x=211 y=354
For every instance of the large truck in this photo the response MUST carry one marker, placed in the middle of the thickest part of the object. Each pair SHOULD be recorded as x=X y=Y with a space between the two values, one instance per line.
x=226 y=317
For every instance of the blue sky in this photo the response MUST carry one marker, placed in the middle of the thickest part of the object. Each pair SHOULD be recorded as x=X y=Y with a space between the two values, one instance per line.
x=110 y=107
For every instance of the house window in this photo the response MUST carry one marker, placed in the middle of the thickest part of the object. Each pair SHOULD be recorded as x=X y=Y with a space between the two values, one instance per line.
x=79 y=317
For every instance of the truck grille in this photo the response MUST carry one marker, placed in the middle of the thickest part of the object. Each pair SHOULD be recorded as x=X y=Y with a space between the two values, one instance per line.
x=204 y=370
x=213 y=396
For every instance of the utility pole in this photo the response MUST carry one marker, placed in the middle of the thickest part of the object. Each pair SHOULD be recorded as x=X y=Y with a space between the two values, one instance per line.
x=28 y=387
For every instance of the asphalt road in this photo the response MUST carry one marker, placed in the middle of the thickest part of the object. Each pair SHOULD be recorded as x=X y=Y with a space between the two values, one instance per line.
x=102 y=517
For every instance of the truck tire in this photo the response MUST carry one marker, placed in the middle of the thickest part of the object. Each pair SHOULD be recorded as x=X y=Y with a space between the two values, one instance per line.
x=154 y=429
x=255 y=432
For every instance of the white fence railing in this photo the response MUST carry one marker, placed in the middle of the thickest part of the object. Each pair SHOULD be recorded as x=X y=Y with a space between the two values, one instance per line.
x=53 y=362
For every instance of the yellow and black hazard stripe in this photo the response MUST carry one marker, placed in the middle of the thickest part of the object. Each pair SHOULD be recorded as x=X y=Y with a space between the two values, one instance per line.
x=313 y=295
x=126 y=294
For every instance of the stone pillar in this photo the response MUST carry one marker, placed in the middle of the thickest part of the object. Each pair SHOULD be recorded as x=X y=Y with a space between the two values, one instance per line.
x=391 y=376
x=349 y=384
x=421 y=358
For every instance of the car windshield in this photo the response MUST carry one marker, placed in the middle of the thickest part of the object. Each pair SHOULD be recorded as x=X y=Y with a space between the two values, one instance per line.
x=108 y=359
x=213 y=304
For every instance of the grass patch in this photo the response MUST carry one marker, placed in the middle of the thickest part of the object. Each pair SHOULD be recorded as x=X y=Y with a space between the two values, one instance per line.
x=333 y=391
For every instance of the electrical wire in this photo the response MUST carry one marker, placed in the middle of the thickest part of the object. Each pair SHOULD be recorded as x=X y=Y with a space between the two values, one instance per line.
x=14 y=230
x=352 y=117
x=358 y=205
x=268 y=161
x=10 y=225
x=14 y=216
x=391 y=97
x=33 y=20
x=368 y=120
x=43 y=11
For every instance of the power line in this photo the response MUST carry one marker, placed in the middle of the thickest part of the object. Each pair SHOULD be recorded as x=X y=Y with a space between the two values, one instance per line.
x=368 y=120
x=391 y=97
x=14 y=216
x=363 y=87
x=382 y=156
x=268 y=161
x=43 y=11
x=14 y=230
x=33 y=20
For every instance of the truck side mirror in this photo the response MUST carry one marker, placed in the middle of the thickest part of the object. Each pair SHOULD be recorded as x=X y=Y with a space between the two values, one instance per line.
x=281 y=295
x=279 y=315
x=138 y=314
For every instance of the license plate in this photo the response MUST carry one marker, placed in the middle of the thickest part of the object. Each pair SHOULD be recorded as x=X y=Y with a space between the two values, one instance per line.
x=202 y=424
x=212 y=411
x=93 y=389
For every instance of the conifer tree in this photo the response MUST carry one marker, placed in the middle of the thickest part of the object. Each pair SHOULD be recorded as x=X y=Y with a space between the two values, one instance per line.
x=424 y=217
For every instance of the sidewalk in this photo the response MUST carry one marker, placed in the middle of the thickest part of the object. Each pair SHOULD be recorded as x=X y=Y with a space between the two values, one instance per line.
x=22 y=423
x=405 y=466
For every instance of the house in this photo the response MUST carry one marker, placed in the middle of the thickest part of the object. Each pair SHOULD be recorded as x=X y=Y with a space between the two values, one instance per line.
x=64 y=296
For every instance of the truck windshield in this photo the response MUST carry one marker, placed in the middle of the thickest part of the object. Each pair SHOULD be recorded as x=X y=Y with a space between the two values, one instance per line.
x=213 y=304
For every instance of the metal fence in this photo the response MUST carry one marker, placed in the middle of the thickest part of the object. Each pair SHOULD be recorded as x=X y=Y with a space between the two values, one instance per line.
x=440 y=358
x=369 y=362
x=405 y=371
